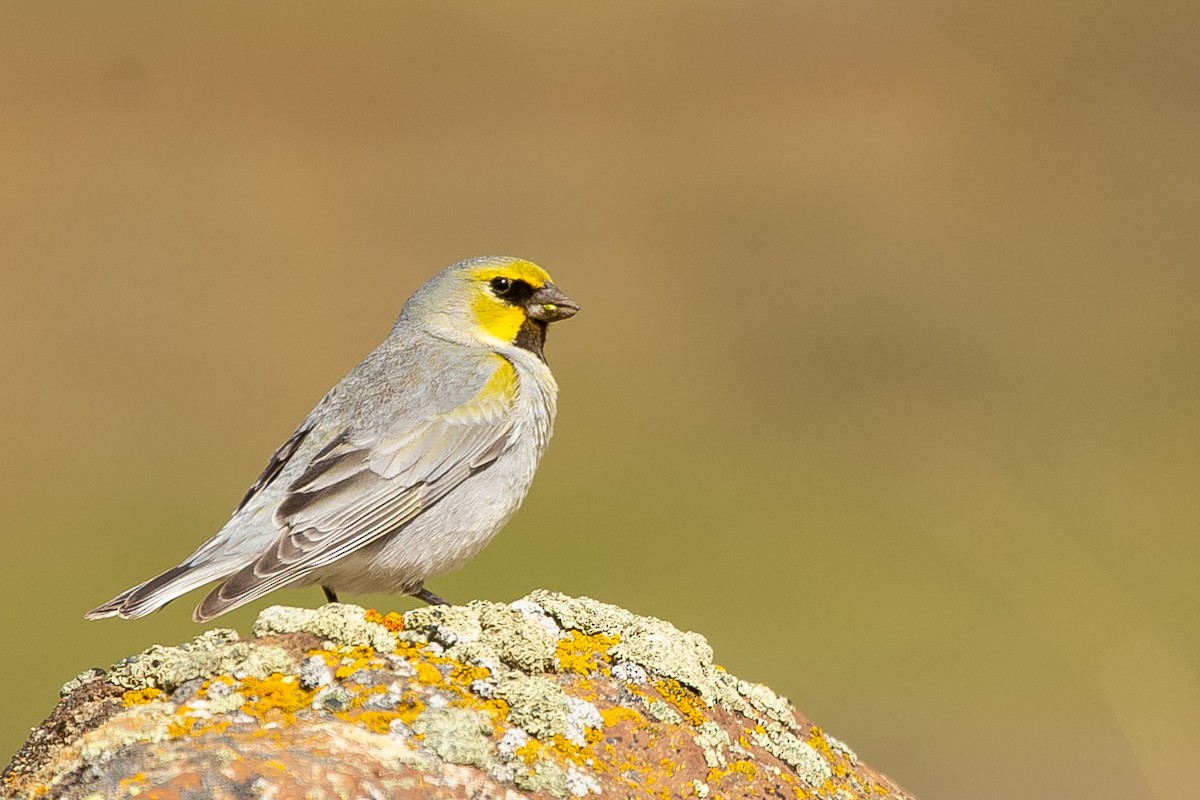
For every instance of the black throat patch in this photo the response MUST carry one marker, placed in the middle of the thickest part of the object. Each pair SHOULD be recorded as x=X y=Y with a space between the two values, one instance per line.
x=532 y=337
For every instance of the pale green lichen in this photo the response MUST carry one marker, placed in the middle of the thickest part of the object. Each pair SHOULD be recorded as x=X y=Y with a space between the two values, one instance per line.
x=542 y=776
x=713 y=740
x=799 y=755
x=484 y=633
x=217 y=652
x=649 y=642
x=143 y=723
x=663 y=712
x=843 y=748
x=537 y=705
x=457 y=735
x=766 y=701
x=446 y=625
x=83 y=678
x=340 y=623
x=224 y=704
x=519 y=640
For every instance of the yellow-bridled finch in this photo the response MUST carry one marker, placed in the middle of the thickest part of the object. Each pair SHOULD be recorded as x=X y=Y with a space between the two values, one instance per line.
x=408 y=466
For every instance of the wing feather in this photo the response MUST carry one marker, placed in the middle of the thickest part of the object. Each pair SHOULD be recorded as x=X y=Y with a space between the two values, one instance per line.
x=362 y=488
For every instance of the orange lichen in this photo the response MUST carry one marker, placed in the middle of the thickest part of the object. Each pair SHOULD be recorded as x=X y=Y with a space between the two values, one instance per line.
x=275 y=696
x=568 y=750
x=136 y=697
x=427 y=673
x=687 y=702
x=816 y=739
x=617 y=714
x=205 y=729
x=408 y=708
x=747 y=768
x=126 y=784
x=181 y=727
x=393 y=621
x=376 y=721
x=466 y=674
x=583 y=654
x=529 y=751
x=352 y=660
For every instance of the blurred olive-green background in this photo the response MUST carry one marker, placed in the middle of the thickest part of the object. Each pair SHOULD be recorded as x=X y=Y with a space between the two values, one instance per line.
x=886 y=378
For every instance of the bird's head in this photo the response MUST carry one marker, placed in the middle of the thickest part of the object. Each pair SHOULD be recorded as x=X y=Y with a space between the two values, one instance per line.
x=496 y=301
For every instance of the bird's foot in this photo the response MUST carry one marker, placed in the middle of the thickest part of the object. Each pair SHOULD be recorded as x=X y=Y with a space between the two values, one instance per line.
x=429 y=597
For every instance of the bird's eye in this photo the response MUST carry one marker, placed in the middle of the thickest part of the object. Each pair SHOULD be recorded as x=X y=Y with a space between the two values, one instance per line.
x=501 y=286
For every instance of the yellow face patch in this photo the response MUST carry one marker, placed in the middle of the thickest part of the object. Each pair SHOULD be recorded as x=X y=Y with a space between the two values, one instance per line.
x=496 y=317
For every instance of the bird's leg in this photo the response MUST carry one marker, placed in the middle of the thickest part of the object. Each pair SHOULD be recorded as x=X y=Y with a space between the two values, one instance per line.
x=429 y=597
x=330 y=594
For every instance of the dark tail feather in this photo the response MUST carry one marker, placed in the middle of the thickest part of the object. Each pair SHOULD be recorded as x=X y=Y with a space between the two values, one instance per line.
x=160 y=590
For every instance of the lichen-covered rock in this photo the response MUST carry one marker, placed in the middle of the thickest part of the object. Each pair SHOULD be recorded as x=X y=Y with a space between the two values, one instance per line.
x=549 y=696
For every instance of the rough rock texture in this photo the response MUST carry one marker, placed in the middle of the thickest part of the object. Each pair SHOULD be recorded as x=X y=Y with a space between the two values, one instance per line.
x=547 y=697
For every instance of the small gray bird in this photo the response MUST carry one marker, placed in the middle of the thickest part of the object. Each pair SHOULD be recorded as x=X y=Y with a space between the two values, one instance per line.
x=407 y=467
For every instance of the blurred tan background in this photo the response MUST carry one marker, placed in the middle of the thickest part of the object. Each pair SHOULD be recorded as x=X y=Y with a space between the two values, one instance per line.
x=886 y=379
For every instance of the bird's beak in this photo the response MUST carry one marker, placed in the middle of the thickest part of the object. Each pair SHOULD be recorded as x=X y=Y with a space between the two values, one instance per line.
x=548 y=304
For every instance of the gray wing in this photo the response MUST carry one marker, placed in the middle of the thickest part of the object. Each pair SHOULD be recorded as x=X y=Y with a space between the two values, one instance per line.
x=361 y=488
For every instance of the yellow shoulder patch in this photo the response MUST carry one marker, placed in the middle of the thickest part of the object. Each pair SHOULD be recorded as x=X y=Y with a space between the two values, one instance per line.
x=503 y=382
x=496 y=396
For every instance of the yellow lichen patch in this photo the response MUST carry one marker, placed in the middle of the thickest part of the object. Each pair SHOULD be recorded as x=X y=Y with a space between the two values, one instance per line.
x=136 y=697
x=465 y=674
x=529 y=751
x=687 y=702
x=617 y=714
x=181 y=727
x=802 y=793
x=743 y=767
x=376 y=721
x=408 y=708
x=204 y=729
x=816 y=738
x=352 y=660
x=274 y=696
x=568 y=750
x=428 y=674
x=583 y=654
x=127 y=783
x=497 y=709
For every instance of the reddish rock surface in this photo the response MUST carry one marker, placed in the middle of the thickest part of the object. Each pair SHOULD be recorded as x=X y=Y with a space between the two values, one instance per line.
x=548 y=697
